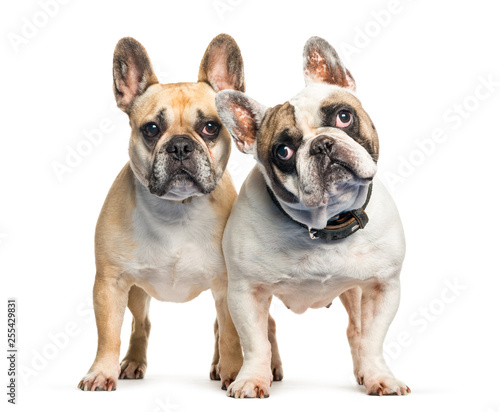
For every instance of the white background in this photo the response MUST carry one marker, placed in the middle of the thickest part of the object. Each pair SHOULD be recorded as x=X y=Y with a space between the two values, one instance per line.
x=414 y=71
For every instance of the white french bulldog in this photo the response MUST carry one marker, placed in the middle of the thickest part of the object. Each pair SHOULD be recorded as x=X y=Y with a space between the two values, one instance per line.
x=312 y=222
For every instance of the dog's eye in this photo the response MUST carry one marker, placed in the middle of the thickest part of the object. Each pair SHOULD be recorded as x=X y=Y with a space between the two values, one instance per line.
x=150 y=130
x=210 y=129
x=283 y=152
x=344 y=119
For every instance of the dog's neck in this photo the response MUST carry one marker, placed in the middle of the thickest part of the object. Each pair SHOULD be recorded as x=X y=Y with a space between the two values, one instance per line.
x=338 y=227
x=166 y=210
x=319 y=217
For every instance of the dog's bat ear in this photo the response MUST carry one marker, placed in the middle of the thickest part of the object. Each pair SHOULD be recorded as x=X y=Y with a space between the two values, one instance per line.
x=222 y=65
x=323 y=65
x=132 y=72
x=242 y=116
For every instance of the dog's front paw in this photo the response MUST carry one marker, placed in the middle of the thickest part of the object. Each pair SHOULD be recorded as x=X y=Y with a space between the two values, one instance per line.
x=100 y=379
x=132 y=369
x=249 y=388
x=385 y=385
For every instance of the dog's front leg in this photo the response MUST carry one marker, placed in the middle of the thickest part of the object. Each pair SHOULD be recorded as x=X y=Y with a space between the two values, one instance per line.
x=379 y=303
x=249 y=307
x=229 y=347
x=110 y=301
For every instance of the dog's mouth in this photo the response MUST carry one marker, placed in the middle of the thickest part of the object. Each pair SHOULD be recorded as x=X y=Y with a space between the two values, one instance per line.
x=346 y=170
x=182 y=179
x=180 y=182
x=331 y=183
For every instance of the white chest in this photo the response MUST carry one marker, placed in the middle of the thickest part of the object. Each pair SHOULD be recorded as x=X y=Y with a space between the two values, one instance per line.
x=313 y=277
x=176 y=261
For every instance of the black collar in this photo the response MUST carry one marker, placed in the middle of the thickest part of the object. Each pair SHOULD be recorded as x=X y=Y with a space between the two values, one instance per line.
x=338 y=227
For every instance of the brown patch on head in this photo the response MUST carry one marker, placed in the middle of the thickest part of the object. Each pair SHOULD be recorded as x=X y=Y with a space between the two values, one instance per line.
x=362 y=129
x=278 y=126
x=276 y=120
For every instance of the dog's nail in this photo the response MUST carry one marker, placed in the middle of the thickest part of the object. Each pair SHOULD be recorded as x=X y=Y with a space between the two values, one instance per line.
x=379 y=391
x=94 y=385
x=85 y=386
x=408 y=389
x=261 y=394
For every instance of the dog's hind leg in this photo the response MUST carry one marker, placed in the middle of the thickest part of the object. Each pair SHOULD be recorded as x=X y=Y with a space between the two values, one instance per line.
x=351 y=299
x=214 y=373
x=276 y=366
x=229 y=347
x=133 y=365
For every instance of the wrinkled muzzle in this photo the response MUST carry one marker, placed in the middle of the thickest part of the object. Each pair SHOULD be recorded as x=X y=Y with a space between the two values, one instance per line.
x=331 y=165
x=181 y=167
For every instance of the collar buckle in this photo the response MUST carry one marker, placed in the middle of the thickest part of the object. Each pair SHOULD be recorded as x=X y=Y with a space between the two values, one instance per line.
x=313 y=234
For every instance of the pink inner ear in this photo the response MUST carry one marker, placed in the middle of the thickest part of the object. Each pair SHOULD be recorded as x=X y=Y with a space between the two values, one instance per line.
x=130 y=86
x=317 y=68
x=245 y=130
x=219 y=78
x=217 y=71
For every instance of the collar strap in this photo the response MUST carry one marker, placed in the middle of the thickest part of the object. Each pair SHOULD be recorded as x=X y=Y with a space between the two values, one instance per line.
x=338 y=227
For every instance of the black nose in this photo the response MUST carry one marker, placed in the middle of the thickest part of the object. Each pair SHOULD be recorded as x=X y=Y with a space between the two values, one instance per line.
x=321 y=144
x=180 y=147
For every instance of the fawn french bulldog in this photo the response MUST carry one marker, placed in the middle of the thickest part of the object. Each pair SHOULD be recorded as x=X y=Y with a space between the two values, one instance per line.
x=160 y=230
x=311 y=221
